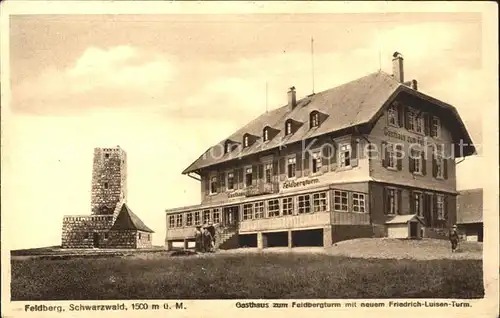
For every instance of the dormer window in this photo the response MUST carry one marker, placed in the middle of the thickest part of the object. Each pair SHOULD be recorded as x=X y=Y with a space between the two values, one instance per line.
x=288 y=128
x=314 y=119
x=266 y=134
x=246 y=141
x=227 y=147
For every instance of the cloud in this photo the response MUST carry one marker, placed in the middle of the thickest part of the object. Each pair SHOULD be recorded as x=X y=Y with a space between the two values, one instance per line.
x=119 y=75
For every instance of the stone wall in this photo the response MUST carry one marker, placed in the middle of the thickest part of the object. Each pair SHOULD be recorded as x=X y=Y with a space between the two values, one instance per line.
x=122 y=239
x=78 y=231
x=109 y=180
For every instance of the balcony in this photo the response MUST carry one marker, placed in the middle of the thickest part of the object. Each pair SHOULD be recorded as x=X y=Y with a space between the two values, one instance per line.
x=262 y=188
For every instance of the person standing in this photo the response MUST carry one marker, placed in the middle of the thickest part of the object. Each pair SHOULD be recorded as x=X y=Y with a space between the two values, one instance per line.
x=207 y=240
x=453 y=236
x=198 y=239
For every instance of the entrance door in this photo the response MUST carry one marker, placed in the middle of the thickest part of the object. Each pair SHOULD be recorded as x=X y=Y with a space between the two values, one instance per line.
x=96 y=239
x=413 y=229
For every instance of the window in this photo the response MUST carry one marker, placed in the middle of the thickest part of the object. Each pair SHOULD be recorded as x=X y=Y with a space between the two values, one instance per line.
x=435 y=127
x=216 y=215
x=314 y=119
x=213 y=185
x=439 y=162
x=440 y=207
x=139 y=236
x=247 y=211
x=291 y=167
x=358 y=202
x=206 y=216
x=390 y=152
x=410 y=117
x=197 y=218
x=288 y=128
x=419 y=125
x=416 y=162
x=227 y=148
x=189 y=219
x=414 y=121
x=392 y=115
x=89 y=235
x=273 y=207
x=316 y=162
x=266 y=134
x=259 y=210
x=107 y=155
x=106 y=185
x=319 y=202
x=246 y=141
x=345 y=155
x=287 y=206
x=230 y=180
x=268 y=172
x=178 y=220
x=105 y=235
x=171 y=221
x=340 y=201
x=417 y=203
x=304 y=204
x=392 y=202
x=248 y=176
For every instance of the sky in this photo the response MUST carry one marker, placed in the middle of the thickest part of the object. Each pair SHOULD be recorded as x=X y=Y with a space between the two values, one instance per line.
x=166 y=87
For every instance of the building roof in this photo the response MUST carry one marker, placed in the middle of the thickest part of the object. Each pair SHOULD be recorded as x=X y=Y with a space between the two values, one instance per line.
x=352 y=104
x=470 y=206
x=402 y=219
x=127 y=220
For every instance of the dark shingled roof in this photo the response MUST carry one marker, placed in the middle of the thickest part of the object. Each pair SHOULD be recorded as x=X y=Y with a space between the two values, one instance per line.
x=470 y=206
x=127 y=220
x=354 y=103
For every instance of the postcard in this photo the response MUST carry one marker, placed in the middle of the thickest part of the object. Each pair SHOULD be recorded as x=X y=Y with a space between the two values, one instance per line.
x=195 y=159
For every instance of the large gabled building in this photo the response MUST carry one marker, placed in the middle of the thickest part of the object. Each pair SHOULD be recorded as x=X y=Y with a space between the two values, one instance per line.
x=332 y=166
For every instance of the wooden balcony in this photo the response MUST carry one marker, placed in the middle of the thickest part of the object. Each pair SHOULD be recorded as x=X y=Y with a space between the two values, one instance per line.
x=262 y=188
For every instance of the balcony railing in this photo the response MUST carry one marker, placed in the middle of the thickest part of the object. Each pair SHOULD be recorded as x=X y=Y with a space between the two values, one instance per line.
x=262 y=187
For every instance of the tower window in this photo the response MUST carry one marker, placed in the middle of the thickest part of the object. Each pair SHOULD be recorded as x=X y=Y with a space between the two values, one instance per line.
x=107 y=155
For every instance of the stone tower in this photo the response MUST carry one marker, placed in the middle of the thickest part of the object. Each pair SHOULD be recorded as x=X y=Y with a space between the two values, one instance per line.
x=109 y=180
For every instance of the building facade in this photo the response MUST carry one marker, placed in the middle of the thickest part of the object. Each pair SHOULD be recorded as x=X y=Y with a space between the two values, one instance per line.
x=344 y=163
x=111 y=223
x=470 y=214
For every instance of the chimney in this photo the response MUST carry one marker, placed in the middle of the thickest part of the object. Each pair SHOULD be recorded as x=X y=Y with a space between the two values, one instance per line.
x=414 y=84
x=292 y=99
x=397 y=67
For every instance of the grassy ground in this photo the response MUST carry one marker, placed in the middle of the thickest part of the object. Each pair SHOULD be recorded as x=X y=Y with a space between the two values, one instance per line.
x=245 y=275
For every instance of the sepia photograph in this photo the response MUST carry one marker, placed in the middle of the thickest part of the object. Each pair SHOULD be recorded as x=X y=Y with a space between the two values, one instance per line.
x=249 y=155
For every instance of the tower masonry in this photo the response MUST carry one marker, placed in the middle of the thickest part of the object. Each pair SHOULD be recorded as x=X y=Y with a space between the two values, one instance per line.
x=109 y=180
x=111 y=223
